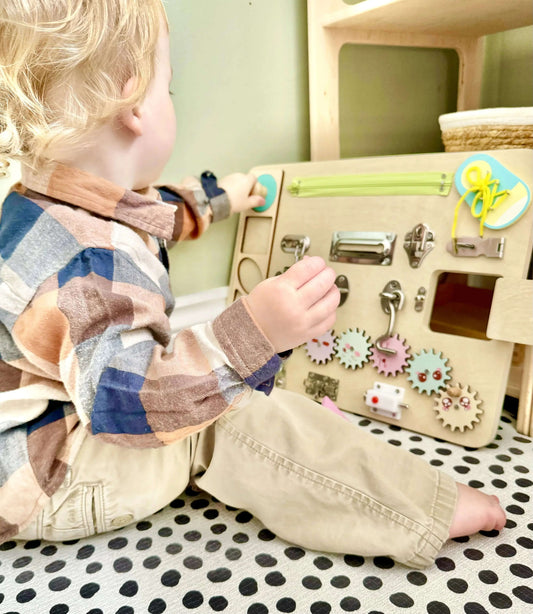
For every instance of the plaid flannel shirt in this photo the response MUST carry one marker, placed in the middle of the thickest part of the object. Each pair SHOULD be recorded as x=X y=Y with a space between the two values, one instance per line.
x=85 y=341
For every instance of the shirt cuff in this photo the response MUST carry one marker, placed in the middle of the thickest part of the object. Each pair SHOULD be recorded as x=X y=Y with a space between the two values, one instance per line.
x=248 y=351
x=218 y=199
x=221 y=207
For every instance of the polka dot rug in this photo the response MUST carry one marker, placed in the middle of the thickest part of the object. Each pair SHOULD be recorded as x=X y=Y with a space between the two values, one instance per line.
x=199 y=555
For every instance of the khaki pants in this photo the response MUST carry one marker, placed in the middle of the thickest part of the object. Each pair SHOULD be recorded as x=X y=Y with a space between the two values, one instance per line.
x=280 y=457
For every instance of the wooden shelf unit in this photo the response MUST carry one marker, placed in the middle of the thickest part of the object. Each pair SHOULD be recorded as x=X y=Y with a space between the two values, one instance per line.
x=444 y=24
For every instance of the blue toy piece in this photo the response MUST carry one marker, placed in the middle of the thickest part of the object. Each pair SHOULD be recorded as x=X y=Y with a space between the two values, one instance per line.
x=480 y=168
x=270 y=184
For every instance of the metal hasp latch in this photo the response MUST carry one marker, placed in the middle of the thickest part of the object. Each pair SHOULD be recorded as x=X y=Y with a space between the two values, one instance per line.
x=295 y=244
x=392 y=299
x=471 y=247
x=319 y=386
x=418 y=243
x=362 y=247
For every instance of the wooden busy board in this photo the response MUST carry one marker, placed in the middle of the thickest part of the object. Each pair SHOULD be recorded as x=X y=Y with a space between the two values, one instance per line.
x=439 y=311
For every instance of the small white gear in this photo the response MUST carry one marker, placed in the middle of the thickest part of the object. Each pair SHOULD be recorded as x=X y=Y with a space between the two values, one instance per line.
x=353 y=348
x=391 y=364
x=321 y=349
x=428 y=371
x=457 y=407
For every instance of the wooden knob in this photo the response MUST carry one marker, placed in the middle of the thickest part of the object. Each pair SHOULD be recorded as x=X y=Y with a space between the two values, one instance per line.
x=259 y=190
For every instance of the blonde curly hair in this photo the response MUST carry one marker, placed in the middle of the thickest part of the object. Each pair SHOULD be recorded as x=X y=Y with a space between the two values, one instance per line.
x=63 y=67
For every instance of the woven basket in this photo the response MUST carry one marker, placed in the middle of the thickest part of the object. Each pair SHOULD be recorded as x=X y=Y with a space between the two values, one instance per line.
x=506 y=128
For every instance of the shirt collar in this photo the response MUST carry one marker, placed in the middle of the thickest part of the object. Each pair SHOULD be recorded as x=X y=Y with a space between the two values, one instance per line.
x=141 y=209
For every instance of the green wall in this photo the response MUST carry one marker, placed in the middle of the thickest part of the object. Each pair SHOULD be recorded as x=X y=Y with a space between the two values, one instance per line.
x=390 y=98
x=240 y=93
x=240 y=84
x=508 y=70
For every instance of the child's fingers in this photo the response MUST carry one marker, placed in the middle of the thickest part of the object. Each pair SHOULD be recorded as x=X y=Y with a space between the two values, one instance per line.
x=304 y=270
x=249 y=182
x=258 y=189
x=256 y=201
x=317 y=287
x=325 y=308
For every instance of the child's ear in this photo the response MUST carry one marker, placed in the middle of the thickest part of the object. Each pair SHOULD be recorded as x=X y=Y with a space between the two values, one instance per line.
x=131 y=117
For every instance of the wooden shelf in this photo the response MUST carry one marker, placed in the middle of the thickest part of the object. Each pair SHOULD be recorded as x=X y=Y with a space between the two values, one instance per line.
x=471 y=18
x=460 y=25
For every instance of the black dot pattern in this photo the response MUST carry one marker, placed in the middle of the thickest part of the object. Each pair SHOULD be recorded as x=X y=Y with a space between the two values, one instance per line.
x=200 y=555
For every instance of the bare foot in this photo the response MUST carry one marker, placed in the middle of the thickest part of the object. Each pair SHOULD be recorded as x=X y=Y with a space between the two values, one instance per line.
x=475 y=511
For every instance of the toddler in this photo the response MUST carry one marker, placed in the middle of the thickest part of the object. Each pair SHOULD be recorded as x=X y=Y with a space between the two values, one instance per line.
x=105 y=416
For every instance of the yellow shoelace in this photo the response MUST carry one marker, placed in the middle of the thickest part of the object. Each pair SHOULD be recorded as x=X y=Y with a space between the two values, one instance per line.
x=486 y=191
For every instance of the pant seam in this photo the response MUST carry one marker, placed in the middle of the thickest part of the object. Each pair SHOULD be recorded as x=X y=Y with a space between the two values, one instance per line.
x=99 y=515
x=338 y=487
x=87 y=509
x=439 y=493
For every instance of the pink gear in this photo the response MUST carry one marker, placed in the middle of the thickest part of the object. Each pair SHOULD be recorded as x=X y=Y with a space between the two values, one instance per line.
x=391 y=364
x=321 y=349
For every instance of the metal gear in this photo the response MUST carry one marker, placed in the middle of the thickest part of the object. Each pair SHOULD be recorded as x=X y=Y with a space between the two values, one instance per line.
x=457 y=407
x=353 y=348
x=391 y=364
x=321 y=349
x=428 y=371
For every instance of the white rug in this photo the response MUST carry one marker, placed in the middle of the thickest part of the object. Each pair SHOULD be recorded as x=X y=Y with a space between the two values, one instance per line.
x=198 y=555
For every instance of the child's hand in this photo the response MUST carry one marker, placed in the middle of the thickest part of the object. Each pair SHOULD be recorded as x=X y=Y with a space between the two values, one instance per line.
x=296 y=306
x=239 y=188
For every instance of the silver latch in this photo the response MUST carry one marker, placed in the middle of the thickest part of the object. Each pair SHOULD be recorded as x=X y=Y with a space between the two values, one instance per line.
x=362 y=247
x=418 y=243
x=471 y=247
x=295 y=244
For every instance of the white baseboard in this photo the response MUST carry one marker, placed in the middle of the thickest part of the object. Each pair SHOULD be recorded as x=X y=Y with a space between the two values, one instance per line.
x=198 y=307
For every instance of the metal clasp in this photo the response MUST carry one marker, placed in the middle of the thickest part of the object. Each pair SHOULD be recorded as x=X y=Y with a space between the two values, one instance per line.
x=418 y=243
x=362 y=247
x=470 y=247
x=392 y=298
x=295 y=244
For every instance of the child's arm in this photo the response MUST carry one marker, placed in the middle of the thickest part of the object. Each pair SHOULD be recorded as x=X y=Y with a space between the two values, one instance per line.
x=201 y=202
x=100 y=328
x=240 y=191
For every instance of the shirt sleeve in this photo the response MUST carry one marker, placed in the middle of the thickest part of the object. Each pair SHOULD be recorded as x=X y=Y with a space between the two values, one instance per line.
x=193 y=215
x=196 y=206
x=101 y=327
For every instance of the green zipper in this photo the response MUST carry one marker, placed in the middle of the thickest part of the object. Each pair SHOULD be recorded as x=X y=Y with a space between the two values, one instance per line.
x=375 y=184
